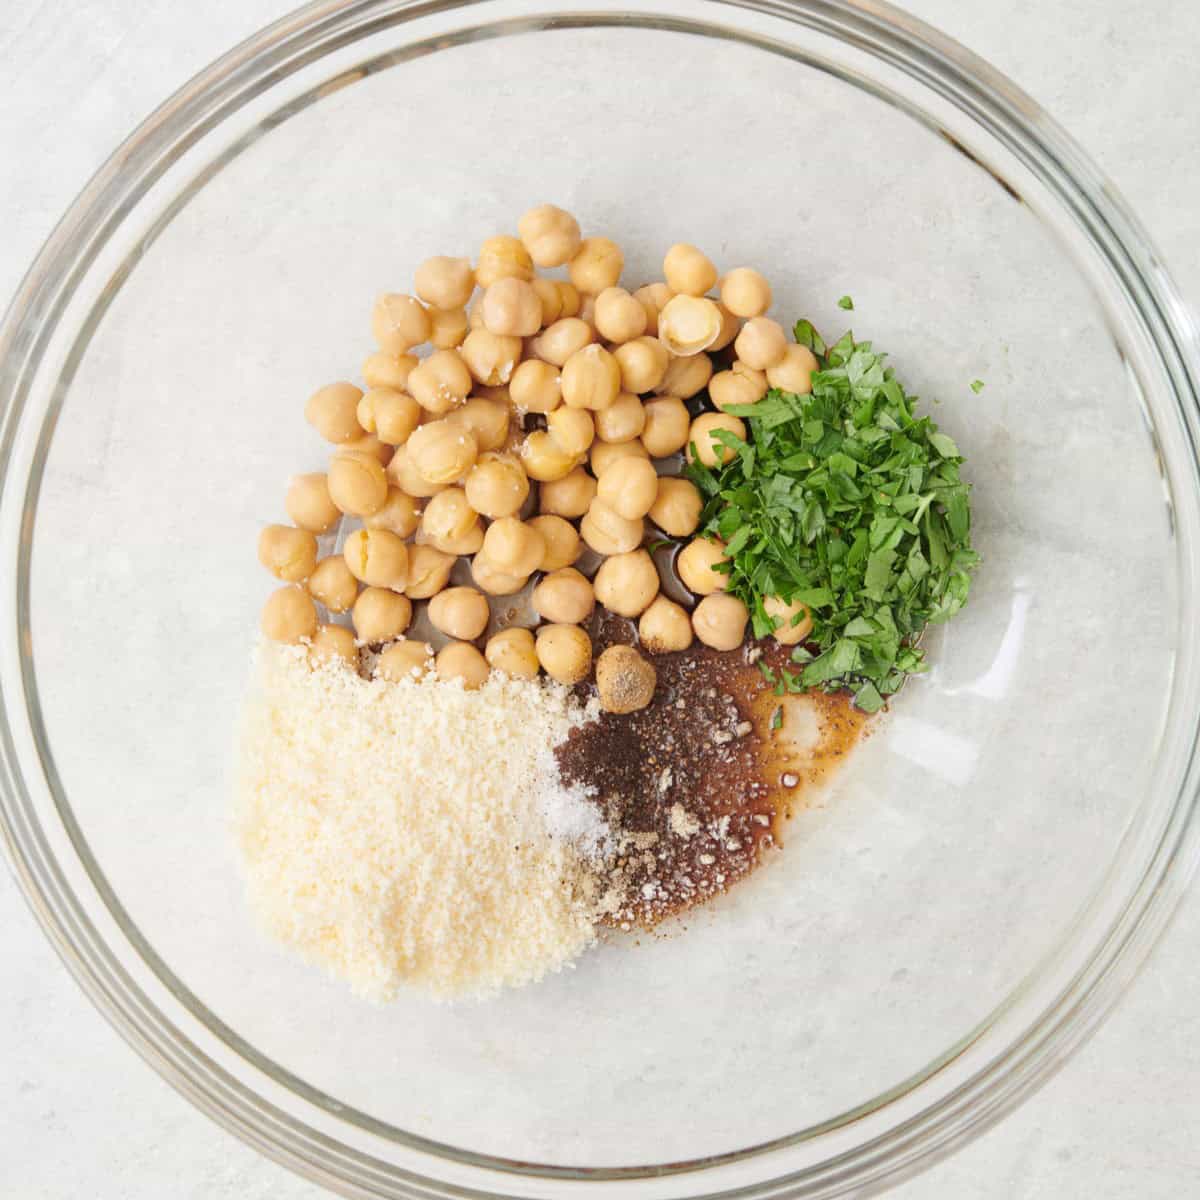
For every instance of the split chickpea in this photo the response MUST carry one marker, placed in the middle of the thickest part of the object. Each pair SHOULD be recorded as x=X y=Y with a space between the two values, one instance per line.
x=689 y=325
x=377 y=558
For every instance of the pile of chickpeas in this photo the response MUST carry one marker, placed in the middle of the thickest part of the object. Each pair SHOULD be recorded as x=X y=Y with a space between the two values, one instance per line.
x=526 y=435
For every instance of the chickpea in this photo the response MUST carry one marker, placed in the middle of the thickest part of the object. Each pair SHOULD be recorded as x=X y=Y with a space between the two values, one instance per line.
x=380 y=615
x=370 y=445
x=309 y=505
x=544 y=459
x=703 y=445
x=793 y=622
x=572 y=428
x=377 y=558
x=513 y=546
x=497 y=486
x=624 y=680
x=689 y=325
x=550 y=234
x=357 y=483
x=399 y=322
x=569 y=496
x=629 y=487
x=487 y=419
x=793 y=373
x=761 y=344
x=618 y=316
x=564 y=596
x=450 y=524
x=513 y=652
x=491 y=579
x=565 y=652
x=622 y=421
x=399 y=514
x=596 y=265
x=607 y=532
x=665 y=627
x=460 y=612
x=653 y=298
x=562 y=340
x=381 y=370
x=502 y=258
x=407 y=478
x=591 y=379
x=511 y=308
x=720 y=620
x=562 y=541
x=627 y=583
x=696 y=566
x=443 y=451
x=728 y=389
x=406 y=659
x=332 y=584
x=677 y=507
x=289 y=615
x=491 y=359
x=643 y=363
x=333 y=412
x=428 y=571
x=604 y=454
x=447 y=327
x=686 y=376
x=289 y=554
x=568 y=293
x=445 y=282
x=667 y=425
x=389 y=414
x=688 y=271
x=441 y=382
x=745 y=292
x=334 y=643
x=551 y=300
x=460 y=660
x=730 y=327
x=535 y=386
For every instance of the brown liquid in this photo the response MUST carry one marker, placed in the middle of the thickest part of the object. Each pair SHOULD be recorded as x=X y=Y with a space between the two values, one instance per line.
x=698 y=782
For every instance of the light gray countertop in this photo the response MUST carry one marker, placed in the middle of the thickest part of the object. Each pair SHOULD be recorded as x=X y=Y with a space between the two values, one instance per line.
x=82 y=1116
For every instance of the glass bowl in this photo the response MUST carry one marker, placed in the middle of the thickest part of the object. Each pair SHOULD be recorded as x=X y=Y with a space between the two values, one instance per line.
x=993 y=864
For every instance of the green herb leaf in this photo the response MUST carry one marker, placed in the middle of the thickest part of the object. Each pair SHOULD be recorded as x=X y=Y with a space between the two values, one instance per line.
x=849 y=501
x=777 y=718
x=846 y=303
x=977 y=386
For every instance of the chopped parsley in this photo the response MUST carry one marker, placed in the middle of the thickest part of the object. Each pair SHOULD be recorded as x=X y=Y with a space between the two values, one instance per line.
x=777 y=718
x=977 y=386
x=849 y=502
x=846 y=303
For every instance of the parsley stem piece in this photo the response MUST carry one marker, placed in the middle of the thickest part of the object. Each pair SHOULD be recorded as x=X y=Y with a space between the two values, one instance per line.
x=851 y=503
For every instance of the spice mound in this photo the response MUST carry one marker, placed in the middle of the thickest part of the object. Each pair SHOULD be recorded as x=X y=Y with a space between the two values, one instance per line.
x=403 y=833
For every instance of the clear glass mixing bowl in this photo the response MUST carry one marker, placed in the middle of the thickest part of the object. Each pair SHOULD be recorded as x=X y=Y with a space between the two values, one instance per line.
x=995 y=861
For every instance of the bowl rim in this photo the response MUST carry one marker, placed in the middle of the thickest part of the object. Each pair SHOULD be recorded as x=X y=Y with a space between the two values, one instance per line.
x=956 y=75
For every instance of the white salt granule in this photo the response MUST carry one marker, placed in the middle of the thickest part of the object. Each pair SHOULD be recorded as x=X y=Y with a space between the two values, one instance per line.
x=400 y=833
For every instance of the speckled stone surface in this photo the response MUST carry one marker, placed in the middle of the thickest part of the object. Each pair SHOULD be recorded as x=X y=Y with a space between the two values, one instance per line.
x=82 y=1116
